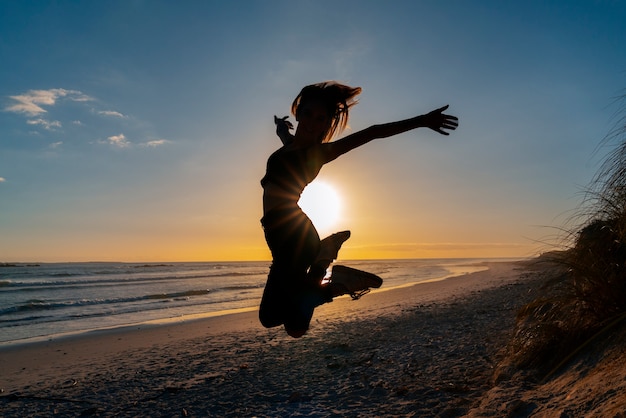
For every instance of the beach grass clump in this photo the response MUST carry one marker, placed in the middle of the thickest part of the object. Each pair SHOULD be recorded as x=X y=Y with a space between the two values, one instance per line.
x=586 y=298
x=547 y=328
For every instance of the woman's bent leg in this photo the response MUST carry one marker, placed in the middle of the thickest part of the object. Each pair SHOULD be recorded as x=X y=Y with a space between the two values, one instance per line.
x=290 y=296
x=300 y=309
x=271 y=311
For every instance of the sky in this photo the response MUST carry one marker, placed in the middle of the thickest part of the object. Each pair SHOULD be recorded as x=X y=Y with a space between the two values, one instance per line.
x=139 y=130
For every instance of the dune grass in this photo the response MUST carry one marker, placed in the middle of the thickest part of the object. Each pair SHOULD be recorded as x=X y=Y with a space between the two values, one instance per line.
x=586 y=298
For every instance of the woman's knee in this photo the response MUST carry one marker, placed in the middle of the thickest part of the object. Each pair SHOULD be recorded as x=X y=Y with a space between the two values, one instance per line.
x=296 y=332
x=269 y=320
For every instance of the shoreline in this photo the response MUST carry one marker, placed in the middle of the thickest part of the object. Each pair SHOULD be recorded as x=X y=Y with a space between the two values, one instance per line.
x=456 y=271
x=376 y=302
x=370 y=356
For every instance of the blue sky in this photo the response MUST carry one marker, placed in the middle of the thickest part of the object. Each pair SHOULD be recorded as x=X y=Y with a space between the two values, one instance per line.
x=139 y=130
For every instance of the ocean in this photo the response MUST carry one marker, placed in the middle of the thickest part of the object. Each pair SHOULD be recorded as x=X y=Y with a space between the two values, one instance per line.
x=40 y=301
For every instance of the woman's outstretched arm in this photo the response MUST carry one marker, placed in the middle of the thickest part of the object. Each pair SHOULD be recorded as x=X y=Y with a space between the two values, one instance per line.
x=435 y=120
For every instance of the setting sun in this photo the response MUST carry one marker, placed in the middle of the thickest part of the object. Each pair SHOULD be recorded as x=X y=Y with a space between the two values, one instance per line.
x=321 y=202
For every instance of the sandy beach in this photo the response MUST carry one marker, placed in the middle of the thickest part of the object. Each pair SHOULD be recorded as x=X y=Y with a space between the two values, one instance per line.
x=428 y=350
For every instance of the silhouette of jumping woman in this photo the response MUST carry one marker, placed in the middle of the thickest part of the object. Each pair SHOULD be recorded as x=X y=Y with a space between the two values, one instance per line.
x=295 y=285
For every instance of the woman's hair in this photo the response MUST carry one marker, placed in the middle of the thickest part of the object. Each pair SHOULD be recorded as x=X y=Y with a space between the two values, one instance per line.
x=335 y=97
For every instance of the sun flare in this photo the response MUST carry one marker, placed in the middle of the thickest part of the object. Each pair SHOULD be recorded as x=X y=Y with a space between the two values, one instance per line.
x=321 y=202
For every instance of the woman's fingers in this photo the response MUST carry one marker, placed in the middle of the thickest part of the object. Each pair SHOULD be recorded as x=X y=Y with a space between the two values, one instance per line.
x=442 y=121
x=450 y=122
x=283 y=121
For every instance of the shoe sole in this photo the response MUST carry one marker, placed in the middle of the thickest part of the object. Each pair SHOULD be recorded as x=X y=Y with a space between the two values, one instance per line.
x=372 y=279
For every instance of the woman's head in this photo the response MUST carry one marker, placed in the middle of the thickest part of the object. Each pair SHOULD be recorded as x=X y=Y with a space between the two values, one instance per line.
x=333 y=98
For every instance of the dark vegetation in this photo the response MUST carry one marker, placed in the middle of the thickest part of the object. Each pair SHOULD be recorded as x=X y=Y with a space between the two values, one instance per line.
x=585 y=299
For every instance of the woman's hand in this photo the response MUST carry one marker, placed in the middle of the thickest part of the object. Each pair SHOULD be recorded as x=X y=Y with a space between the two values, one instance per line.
x=282 y=124
x=438 y=121
x=282 y=129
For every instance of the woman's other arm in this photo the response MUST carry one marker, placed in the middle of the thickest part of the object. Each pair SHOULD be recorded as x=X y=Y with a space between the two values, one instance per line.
x=282 y=129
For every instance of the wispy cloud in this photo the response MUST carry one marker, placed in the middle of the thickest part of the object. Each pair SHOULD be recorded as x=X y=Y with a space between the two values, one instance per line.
x=33 y=101
x=38 y=107
x=119 y=141
x=2 y=180
x=155 y=143
x=46 y=124
x=112 y=113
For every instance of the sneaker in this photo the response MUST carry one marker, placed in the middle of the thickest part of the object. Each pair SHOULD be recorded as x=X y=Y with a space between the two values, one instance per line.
x=353 y=282
x=329 y=246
